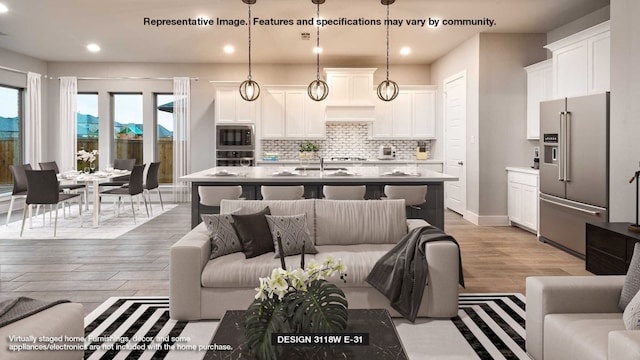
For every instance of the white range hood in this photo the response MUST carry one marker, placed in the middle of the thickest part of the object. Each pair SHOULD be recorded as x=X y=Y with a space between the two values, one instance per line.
x=350 y=95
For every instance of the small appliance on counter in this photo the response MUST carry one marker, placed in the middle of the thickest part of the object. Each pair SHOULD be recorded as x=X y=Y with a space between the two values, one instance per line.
x=387 y=152
x=421 y=151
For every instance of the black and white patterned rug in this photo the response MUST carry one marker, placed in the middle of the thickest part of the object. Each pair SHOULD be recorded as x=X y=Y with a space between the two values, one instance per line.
x=488 y=326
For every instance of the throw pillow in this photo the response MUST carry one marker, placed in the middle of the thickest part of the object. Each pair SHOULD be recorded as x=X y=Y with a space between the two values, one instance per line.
x=294 y=232
x=631 y=315
x=632 y=280
x=254 y=234
x=222 y=235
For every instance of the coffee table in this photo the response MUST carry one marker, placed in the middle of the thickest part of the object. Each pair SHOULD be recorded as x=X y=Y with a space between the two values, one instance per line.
x=384 y=342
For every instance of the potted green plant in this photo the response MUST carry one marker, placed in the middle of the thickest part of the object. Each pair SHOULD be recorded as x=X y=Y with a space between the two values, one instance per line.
x=308 y=150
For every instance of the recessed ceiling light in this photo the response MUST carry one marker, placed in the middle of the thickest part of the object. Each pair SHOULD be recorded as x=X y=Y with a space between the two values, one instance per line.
x=317 y=50
x=3 y=8
x=229 y=49
x=93 y=47
x=405 y=51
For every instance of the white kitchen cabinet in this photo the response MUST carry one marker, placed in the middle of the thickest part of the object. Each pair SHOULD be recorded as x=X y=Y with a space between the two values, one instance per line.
x=409 y=116
x=230 y=108
x=539 y=88
x=289 y=113
x=522 y=198
x=581 y=62
x=350 y=86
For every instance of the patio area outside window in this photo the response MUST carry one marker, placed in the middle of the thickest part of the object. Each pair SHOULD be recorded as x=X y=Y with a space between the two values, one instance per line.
x=11 y=135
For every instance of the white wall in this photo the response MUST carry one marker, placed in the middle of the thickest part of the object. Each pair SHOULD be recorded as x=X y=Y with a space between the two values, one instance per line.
x=503 y=116
x=625 y=108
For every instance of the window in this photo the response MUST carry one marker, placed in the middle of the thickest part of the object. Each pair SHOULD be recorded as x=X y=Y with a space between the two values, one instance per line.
x=87 y=124
x=127 y=127
x=164 y=147
x=10 y=134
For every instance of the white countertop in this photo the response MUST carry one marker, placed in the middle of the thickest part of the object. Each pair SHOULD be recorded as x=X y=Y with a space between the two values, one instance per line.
x=362 y=174
x=366 y=162
x=526 y=170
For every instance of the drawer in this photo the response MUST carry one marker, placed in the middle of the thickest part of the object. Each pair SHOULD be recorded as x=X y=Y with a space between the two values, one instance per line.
x=606 y=241
x=600 y=263
x=522 y=178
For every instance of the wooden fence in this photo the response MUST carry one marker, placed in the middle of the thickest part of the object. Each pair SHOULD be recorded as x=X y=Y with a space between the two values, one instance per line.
x=125 y=149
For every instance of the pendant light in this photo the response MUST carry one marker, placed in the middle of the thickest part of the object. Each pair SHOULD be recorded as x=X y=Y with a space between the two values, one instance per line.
x=249 y=89
x=388 y=89
x=318 y=89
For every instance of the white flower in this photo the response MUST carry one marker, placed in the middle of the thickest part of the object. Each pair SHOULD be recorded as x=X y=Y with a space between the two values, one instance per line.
x=262 y=289
x=87 y=156
x=277 y=283
x=299 y=279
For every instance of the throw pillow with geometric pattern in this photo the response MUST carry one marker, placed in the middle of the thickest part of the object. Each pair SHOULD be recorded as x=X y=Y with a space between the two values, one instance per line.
x=631 y=315
x=294 y=232
x=631 y=284
x=223 y=237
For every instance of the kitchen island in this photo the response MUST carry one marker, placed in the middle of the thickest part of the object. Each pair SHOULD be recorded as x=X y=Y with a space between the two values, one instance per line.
x=374 y=177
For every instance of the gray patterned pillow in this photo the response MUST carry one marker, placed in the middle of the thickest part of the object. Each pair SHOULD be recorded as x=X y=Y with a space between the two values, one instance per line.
x=632 y=280
x=224 y=239
x=631 y=315
x=293 y=231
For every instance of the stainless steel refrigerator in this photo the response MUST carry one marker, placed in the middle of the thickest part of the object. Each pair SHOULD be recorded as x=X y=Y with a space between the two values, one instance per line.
x=574 y=169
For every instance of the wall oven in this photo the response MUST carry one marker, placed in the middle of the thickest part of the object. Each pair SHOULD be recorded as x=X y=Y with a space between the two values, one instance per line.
x=235 y=145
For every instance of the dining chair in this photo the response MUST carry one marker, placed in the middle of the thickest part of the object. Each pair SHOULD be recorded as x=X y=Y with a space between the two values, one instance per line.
x=212 y=195
x=43 y=189
x=347 y=192
x=120 y=164
x=20 y=185
x=414 y=197
x=134 y=188
x=52 y=165
x=286 y=192
x=152 y=182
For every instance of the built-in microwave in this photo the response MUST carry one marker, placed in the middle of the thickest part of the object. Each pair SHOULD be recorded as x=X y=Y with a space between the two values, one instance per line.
x=235 y=137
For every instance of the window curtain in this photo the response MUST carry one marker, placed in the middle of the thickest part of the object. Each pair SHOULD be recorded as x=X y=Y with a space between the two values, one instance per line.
x=181 y=126
x=33 y=120
x=68 y=126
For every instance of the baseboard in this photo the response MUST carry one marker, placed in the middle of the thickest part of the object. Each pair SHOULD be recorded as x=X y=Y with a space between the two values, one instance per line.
x=493 y=220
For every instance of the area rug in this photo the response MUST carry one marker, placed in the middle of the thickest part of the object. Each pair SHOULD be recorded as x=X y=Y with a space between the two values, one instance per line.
x=488 y=326
x=73 y=226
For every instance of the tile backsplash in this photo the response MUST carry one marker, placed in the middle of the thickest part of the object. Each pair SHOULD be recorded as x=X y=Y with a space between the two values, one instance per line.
x=345 y=140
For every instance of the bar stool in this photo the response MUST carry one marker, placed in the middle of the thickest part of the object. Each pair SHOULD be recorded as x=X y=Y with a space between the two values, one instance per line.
x=211 y=196
x=414 y=196
x=295 y=192
x=350 y=192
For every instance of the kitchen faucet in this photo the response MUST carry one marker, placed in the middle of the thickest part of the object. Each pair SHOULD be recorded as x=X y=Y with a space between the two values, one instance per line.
x=321 y=164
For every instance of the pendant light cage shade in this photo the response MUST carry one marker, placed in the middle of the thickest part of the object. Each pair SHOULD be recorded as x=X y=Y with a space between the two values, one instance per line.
x=388 y=90
x=318 y=90
x=249 y=89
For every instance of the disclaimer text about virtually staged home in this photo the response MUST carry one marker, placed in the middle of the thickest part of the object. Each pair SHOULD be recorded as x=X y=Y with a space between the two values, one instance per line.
x=418 y=22
x=109 y=343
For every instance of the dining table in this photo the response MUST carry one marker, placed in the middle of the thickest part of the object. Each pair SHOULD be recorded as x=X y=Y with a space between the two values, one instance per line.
x=93 y=181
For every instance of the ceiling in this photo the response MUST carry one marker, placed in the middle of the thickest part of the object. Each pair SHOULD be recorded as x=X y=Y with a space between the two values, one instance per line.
x=59 y=30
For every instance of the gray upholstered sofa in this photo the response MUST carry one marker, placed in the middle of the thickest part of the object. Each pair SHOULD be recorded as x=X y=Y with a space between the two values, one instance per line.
x=577 y=317
x=358 y=232
x=65 y=319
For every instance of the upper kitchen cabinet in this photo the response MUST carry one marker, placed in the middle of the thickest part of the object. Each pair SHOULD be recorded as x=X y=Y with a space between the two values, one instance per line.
x=581 y=62
x=350 y=94
x=409 y=116
x=289 y=113
x=539 y=88
x=230 y=108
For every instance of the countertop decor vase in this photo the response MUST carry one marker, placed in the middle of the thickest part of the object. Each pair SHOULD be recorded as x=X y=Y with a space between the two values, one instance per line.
x=294 y=302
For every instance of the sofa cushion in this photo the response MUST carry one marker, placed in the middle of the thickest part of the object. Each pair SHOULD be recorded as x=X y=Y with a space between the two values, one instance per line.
x=234 y=271
x=277 y=207
x=579 y=336
x=632 y=280
x=254 y=233
x=224 y=239
x=359 y=260
x=349 y=222
x=293 y=232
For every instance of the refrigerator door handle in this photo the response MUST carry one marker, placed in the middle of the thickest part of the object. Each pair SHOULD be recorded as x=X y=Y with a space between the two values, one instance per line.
x=561 y=148
x=594 y=213
x=567 y=146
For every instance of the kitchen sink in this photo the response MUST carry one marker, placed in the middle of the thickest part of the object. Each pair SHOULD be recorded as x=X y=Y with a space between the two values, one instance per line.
x=318 y=168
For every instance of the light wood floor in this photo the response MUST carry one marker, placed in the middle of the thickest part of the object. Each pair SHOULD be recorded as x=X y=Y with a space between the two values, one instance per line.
x=495 y=259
